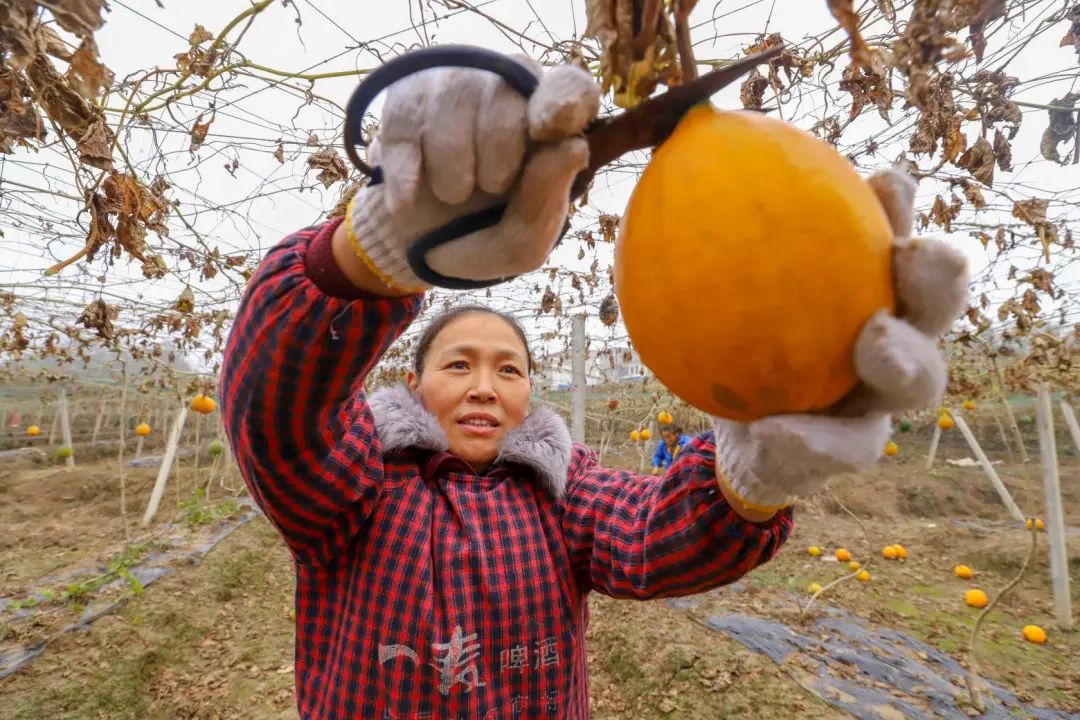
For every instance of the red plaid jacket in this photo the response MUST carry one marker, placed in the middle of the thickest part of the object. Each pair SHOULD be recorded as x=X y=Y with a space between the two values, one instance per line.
x=424 y=590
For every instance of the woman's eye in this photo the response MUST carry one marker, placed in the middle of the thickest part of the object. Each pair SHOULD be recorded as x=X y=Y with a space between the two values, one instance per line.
x=458 y=365
x=511 y=369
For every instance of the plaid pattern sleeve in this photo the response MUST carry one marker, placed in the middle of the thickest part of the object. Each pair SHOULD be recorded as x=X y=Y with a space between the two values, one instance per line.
x=292 y=398
x=641 y=537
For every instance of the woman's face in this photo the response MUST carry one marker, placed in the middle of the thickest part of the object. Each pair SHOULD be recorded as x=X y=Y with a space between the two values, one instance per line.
x=475 y=382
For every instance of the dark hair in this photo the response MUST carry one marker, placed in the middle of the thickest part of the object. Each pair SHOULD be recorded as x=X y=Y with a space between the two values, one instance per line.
x=676 y=429
x=440 y=321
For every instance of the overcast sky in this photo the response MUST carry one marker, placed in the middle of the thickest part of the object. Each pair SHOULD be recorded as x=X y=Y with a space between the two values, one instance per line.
x=138 y=35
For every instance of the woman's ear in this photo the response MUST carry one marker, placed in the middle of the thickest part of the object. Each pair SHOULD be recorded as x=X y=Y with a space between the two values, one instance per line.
x=413 y=381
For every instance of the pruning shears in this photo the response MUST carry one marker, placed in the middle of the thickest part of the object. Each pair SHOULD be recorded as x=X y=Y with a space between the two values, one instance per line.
x=645 y=125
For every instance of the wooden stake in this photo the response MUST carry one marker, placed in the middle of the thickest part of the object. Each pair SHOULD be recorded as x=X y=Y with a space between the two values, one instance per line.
x=120 y=459
x=198 y=428
x=1070 y=420
x=54 y=428
x=1002 y=491
x=166 y=464
x=65 y=430
x=1004 y=436
x=1008 y=409
x=934 y=440
x=97 y=421
x=1055 y=520
x=577 y=416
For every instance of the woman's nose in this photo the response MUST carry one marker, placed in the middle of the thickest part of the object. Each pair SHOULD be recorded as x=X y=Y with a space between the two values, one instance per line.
x=482 y=388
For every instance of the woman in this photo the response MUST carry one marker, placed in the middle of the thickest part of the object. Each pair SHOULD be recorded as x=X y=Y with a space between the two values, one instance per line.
x=445 y=534
x=672 y=441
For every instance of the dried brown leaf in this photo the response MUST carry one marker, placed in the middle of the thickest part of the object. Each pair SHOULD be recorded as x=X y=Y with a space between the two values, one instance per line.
x=1042 y=280
x=94 y=146
x=332 y=168
x=186 y=302
x=198 y=132
x=200 y=35
x=975 y=197
x=977 y=15
x=85 y=74
x=279 y=154
x=50 y=43
x=955 y=141
x=79 y=17
x=18 y=118
x=609 y=310
x=101 y=230
x=752 y=92
x=153 y=267
x=979 y=161
x=1002 y=151
x=861 y=53
x=1063 y=127
x=66 y=107
x=18 y=38
x=95 y=316
x=1032 y=211
x=347 y=194
x=1072 y=36
x=866 y=86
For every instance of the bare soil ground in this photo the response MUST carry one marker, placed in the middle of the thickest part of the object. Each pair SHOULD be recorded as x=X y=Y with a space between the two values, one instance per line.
x=214 y=640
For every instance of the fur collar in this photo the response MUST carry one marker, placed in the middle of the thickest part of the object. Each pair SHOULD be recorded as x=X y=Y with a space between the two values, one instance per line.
x=542 y=442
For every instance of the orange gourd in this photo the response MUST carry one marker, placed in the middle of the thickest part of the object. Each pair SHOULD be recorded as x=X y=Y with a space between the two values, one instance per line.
x=780 y=252
x=1034 y=633
x=203 y=404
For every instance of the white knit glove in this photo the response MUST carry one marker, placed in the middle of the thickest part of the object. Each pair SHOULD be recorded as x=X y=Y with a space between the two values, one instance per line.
x=770 y=462
x=456 y=140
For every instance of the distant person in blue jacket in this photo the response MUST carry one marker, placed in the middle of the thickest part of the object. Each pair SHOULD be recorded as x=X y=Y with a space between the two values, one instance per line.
x=672 y=441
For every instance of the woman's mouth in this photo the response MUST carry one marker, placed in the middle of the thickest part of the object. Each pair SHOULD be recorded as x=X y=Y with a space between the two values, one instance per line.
x=479 y=425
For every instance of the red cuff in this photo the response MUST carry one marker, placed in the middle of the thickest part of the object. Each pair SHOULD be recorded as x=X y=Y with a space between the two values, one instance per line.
x=323 y=269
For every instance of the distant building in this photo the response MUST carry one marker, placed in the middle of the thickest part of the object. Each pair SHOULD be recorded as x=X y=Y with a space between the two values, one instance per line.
x=610 y=365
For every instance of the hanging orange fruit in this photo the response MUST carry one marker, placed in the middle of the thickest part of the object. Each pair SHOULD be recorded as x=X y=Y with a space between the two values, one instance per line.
x=969 y=404
x=33 y=431
x=664 y=418
x=891 y=448
x=203 y=404
x=945 y=421
x=142 y=429
x=771 y=216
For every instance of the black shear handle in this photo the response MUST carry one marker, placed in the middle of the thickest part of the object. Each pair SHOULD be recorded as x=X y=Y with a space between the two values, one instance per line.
x=515 y=75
